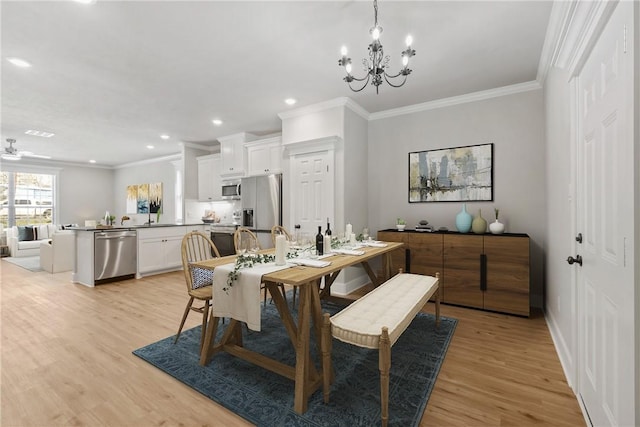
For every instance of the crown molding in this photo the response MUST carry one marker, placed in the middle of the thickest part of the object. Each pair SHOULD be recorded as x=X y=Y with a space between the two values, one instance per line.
x=326 y=105
x=574 y=27
x=357 y=108
x=49 y=164
x=240 y=136
x=554 y=37
x=455 y=100
x=169 y=158
x=30 y=168
x=211 y=148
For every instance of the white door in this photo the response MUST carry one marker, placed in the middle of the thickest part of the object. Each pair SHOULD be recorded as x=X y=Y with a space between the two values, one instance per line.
x=312 y=191
x=605 y=220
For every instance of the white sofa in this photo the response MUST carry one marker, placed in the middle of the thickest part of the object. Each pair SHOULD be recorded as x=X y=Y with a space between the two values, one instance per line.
x=57 y=254
x=18 y=248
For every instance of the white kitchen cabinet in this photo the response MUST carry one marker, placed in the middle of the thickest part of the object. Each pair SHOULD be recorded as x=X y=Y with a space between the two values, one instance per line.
x=159 y=249
x=264 y=156
x=209 y=182
x=232 y=152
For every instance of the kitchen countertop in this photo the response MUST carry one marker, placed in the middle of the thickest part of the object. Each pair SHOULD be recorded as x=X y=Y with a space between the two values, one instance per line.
x=132 y=227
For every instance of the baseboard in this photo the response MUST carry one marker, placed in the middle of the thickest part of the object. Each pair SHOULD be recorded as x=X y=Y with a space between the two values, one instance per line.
x=562 y=350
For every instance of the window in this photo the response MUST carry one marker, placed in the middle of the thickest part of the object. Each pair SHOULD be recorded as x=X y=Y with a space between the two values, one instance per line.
x=26 y=198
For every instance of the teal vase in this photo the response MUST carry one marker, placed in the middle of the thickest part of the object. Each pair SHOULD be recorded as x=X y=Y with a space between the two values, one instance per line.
x=463 y=220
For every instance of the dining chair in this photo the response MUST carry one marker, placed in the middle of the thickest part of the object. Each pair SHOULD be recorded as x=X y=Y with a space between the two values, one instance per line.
x=278 y=230
x=245 y=240
x=197 y=246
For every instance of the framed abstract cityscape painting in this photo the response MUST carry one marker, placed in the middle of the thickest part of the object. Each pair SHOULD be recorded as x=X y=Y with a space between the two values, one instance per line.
x=457 y=174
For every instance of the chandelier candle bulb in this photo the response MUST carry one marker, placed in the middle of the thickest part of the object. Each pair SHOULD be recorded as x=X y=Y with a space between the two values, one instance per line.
x=281 y=248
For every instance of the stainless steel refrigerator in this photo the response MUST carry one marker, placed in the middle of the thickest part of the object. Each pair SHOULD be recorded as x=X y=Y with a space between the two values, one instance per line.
x=261 y=202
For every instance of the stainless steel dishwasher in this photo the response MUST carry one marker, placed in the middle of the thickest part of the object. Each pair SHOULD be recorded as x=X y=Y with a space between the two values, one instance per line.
x=115 y=255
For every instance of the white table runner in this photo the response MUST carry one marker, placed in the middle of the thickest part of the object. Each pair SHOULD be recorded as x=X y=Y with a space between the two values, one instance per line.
x=242 y=300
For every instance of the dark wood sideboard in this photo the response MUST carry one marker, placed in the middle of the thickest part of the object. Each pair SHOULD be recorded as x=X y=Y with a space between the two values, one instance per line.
x=485 y=271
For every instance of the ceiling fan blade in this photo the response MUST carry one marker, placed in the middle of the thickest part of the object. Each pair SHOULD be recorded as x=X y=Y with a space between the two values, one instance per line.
x=10 y=156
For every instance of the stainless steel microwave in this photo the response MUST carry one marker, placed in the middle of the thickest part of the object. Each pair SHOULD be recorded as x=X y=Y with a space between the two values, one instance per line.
x=231 y=190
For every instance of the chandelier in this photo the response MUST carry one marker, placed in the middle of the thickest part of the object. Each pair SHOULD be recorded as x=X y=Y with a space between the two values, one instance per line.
x=377 y=65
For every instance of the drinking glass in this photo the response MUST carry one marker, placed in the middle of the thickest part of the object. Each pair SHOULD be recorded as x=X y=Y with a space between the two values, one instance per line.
x=365 y=233
x=252 y=246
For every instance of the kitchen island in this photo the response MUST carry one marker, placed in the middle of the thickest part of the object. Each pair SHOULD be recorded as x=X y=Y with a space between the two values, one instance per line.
x=105 y=254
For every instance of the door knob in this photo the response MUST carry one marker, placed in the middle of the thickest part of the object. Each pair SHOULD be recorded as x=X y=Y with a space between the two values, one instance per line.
x=579 y=238
x=577 y=260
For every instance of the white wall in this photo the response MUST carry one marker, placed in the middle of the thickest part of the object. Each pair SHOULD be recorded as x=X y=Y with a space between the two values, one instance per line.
x=162 y=171
x=190 y=171
x=561 y=292
x=513 y=123
x=84 y=193
x=354 y=166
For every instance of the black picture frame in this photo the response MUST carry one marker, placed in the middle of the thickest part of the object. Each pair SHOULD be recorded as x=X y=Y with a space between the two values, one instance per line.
x=458 y=174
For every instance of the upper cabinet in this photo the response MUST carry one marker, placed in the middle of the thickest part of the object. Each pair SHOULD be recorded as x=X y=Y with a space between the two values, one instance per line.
x=209 y=182
x=264 y=156
x=233 y=158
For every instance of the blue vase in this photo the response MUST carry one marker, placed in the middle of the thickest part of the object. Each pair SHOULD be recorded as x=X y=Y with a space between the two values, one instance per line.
x=464 y=220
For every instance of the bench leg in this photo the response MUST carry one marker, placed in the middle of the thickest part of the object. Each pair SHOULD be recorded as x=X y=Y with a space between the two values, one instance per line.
x=326 y=356
x=384 y=364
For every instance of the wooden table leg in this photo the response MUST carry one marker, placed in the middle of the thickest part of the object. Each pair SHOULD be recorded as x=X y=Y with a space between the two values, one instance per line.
x=302 y=350
x=386 y=260
x=212 y=329
x=375 y=281
x=438 y=293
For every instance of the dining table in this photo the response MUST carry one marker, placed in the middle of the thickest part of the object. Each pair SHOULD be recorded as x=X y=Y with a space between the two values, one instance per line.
x=307 y=377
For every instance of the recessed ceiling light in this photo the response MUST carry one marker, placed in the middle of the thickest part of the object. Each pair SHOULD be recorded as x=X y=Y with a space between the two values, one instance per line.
x=216 y=122
x=39 y=133
x=150 y=147
x=290 y=101
x=164 y=136
x=92 y=161
x=19 y=62
x=85 y=1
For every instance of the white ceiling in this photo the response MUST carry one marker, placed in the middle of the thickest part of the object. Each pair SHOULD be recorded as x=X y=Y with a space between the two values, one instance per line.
x=108 y=78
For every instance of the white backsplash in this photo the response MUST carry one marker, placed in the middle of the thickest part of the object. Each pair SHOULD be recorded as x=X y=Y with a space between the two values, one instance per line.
x=195 y=210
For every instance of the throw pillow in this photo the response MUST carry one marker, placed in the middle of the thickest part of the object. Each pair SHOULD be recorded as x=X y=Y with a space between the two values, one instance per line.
x=25 y=233
x=201 y=277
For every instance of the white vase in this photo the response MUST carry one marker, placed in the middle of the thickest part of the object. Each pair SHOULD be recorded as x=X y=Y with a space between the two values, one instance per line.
x=496 y=227
x=400 y=227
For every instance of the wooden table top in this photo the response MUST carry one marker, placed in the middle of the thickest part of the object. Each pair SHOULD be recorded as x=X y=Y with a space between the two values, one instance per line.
x=301 y=275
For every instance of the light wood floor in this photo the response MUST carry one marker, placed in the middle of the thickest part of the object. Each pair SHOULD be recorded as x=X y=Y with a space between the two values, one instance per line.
x=66 y=360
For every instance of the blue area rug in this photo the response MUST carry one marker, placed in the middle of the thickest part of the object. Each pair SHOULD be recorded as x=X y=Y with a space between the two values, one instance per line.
x=266 y=399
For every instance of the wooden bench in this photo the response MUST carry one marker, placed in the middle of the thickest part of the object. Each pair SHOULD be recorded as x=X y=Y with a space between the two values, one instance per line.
x=376 y=321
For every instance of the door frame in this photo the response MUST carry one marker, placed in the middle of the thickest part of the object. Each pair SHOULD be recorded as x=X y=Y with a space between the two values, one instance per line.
x=599 y=15
x=318 y=145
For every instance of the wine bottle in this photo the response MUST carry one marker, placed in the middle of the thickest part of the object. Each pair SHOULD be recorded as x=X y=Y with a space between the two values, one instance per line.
x=328 y=232
x=319 y=241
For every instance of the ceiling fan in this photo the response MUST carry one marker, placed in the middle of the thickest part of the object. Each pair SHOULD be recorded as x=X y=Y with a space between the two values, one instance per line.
x=12 y=153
